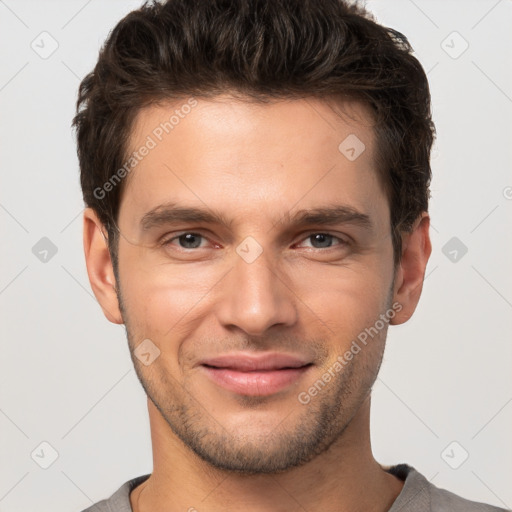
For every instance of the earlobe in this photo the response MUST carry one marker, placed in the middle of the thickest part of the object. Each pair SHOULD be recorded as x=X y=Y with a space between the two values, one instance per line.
x=416 y=250
x=99 y=266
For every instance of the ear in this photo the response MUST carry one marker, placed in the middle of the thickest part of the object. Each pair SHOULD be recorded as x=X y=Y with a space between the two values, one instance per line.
x=416 y=249
x=99 y=266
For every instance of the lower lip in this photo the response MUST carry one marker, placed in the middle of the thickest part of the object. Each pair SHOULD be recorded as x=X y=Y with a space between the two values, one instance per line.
x=255 y=383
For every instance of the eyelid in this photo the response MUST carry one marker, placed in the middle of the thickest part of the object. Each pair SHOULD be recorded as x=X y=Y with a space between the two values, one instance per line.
x=344 y=240
x=166 y=239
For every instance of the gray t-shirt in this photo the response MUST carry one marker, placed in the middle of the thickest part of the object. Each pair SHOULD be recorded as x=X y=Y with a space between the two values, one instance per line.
x=417 y=495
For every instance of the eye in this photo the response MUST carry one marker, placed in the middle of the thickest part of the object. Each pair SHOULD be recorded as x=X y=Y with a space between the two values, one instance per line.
x=187 y=240
x=325 y=240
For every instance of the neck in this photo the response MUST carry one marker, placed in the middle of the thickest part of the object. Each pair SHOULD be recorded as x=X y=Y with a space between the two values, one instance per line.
x=344 y=478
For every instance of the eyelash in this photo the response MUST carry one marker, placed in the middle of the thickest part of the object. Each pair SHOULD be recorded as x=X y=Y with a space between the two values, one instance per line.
x=342 y=242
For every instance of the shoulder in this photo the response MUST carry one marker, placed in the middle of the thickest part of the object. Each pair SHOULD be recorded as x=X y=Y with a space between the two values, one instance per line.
x=420 y=495
x=120 y=500
x=445 y=500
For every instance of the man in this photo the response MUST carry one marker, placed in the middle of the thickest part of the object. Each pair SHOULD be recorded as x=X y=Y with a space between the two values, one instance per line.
x=256 y=175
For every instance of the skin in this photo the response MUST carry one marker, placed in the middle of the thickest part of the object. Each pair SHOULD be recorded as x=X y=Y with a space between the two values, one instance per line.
x=257 y=164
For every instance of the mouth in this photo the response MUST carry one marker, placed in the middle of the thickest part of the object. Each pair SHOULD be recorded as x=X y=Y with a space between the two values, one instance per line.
x=251 y=375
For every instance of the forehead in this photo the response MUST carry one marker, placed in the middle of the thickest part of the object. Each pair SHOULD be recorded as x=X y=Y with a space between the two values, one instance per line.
x=227 y=152
x=227 y=115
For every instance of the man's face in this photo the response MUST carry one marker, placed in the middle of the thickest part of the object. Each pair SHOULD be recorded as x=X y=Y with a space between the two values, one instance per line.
x=266 y=286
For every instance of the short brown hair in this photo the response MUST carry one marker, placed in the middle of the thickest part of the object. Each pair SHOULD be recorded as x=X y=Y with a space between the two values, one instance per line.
x=258 y=50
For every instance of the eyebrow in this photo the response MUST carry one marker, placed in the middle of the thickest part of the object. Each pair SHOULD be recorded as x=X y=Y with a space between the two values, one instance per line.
x=172 y=213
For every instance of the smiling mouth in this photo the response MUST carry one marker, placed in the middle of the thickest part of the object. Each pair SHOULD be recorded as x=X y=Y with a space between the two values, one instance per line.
x=255 y=378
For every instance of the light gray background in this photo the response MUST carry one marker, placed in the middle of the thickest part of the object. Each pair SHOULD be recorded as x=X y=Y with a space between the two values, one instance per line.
x=66 y=377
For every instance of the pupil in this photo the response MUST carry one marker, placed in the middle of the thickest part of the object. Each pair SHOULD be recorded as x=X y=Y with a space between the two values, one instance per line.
x=189 y=239
x=322 y=238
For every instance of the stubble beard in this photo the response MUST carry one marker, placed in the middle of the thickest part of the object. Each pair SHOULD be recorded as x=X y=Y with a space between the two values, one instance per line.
x=290 y=444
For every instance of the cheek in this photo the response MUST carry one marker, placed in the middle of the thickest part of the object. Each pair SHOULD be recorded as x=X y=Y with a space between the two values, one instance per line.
x=165 y=300
x=162 y=300
x=345 y=299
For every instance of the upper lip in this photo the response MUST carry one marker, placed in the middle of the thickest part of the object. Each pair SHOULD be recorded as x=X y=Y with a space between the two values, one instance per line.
x=250 y=362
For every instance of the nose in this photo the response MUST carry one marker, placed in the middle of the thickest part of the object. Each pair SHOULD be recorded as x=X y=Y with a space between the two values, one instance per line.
x=255 y=297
